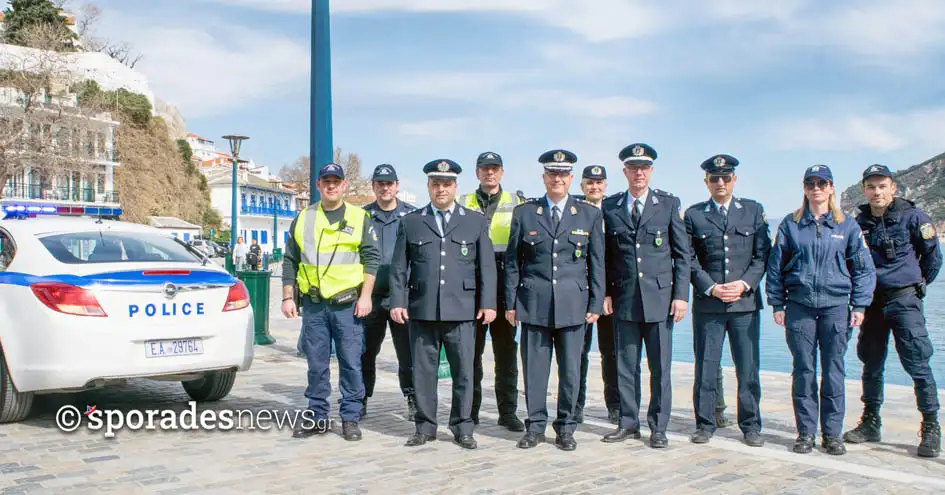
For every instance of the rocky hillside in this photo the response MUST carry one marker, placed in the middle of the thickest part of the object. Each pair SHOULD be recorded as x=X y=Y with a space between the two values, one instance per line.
x=923 y=183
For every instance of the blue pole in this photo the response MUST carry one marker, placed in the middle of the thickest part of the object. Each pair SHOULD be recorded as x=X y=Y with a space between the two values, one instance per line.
x=322 y=149
x=233 y=211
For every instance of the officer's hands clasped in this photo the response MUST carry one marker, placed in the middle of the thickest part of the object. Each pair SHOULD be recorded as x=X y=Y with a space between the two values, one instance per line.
x=486 y=315
x=399 y=315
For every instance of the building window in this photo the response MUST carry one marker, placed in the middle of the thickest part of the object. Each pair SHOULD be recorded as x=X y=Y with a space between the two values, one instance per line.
x=244 y=199
x=265 y=237
x=285 y=238
x=252 y=200
x=186 y=236
x=255 y=235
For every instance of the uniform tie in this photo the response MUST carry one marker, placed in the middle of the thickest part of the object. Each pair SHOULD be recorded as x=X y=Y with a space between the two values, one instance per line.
x=724 y=211
x=445 y=216
x=636 y=212
x=556 y=217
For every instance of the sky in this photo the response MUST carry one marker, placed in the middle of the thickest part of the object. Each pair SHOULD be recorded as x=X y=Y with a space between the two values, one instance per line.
x=779 y=85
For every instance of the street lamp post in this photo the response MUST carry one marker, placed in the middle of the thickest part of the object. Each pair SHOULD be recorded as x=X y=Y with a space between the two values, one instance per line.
x=235 y=142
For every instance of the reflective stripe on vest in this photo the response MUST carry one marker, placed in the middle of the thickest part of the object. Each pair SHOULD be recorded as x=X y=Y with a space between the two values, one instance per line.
x=322 y=265
x=501 y=225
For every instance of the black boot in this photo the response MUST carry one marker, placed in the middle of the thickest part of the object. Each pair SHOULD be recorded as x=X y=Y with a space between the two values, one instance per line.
x=868 y=430
x=931 y=443
x=411 y=408
x=364 y=407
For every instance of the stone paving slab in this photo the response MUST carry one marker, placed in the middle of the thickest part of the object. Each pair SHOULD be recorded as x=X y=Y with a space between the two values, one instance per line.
x=35 y=457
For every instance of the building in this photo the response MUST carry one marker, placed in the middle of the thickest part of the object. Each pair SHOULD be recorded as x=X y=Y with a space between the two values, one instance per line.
x=265 y=209
x=206 y=157
x=178 y=228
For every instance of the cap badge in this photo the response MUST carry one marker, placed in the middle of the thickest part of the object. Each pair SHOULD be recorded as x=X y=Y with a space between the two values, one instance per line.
x=815 y=168
x=490 y=156
x=596 y=170
x=443 y=166
x=637 y=150
x=719 y=161
x=874 y=168
x=559 y=156
x=384 y=171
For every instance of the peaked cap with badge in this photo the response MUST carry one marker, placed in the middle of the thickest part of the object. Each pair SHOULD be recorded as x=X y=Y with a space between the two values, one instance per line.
x=720 y=164
x=443 y=168
x=594 y=172
x=637 y=153
x=558 y=160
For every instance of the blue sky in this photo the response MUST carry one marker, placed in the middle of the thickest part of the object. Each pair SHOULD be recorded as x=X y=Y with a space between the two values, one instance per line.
x=779 y=86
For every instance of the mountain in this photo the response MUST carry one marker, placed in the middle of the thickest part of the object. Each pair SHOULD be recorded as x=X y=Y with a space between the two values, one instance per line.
x=923 y=183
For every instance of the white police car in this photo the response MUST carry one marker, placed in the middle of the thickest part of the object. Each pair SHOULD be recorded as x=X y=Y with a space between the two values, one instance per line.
x=86 y=301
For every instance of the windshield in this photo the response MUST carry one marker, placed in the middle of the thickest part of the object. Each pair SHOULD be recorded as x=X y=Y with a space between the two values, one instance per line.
x=116 y=247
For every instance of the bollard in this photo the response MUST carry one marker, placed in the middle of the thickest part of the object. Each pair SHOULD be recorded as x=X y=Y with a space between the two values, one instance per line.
x=257 y=283
x=443 y=372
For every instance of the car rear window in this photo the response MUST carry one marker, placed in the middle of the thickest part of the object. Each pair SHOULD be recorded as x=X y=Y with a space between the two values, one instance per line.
x=115 y=247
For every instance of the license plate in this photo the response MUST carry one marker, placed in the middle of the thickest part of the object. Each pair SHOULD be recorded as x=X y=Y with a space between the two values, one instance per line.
x=180 y=347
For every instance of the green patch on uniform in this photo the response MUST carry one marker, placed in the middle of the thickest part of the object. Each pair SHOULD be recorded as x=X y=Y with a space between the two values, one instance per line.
x=927 y=231
x=658 y=241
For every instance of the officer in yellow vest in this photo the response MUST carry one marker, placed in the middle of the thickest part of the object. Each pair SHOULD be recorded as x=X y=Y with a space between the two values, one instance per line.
x=497 y=205
x=333 y=256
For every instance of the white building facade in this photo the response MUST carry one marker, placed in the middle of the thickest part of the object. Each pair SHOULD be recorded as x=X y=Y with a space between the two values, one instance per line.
x=265 y=210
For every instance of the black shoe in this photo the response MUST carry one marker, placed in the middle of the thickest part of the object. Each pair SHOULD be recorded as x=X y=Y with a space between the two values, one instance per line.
x=306 y=429
x=931 y=443
x=868 y=430
x=475 y=419
x=351 y=431
x=565 y=441
x=804 y=444
x=578 y=414
x=621 y=434
x=411 y=408
x=701 y=435
x=833 y=445
x=364 y=408
x=721 y=420
x=419 y=439
x=613 y=415
x=753 y=439
x=466 y=441
x=530 y=440
x=511 y=422
x=658 y=440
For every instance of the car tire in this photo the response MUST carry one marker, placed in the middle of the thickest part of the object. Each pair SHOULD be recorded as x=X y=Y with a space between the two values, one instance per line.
x=214 y=385
x=14 y=406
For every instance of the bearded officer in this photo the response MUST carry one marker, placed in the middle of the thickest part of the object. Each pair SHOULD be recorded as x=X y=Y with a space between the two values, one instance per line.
x=555 y=286
x=648 y=256
x=497 y=205
x=442 y=256
x=730 y=243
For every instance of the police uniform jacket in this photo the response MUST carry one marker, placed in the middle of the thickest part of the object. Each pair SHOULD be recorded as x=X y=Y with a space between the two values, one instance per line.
x=914 y=255
x=725 y=252
x=436 y=276
x=650 y=261
x=554 y=277
x=386 y=229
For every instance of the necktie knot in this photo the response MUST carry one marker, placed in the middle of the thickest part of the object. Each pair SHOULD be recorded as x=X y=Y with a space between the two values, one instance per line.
x=723 y=210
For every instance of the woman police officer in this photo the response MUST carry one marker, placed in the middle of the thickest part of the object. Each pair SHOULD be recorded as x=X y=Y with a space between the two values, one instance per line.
x=818 y=268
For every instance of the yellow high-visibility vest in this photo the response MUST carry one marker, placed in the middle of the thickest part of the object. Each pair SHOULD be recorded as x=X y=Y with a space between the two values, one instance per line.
x=501 y=225
x=334 y=264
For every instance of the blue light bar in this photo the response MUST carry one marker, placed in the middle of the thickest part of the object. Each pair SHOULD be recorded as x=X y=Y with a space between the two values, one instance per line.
x=32 y=210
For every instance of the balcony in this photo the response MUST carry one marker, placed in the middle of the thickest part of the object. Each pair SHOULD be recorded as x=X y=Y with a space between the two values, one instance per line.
x=267 y=211
x=40 y=192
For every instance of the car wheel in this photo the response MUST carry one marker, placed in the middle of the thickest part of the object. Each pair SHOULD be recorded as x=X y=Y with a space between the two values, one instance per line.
x=214 y=385
x=14 y=406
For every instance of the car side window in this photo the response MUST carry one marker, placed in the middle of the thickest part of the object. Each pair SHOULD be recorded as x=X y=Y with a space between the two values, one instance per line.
x=7 y=250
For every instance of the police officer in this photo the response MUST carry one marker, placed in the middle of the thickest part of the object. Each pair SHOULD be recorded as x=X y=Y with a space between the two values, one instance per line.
x=332 y=256
x=386 y=213
x=730 y=243
x=594 y=187
x=818 y=268
x=648 y=258
x=905 y=250
x=555 y=286
x=497 y=205
x=443 y=254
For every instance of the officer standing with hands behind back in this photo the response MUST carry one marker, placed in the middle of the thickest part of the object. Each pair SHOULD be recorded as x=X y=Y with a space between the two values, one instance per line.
x=906 y=252
x=442 y=256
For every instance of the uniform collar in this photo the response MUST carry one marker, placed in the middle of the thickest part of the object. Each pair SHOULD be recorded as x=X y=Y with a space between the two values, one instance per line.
x=631 y=199
x=809 y=218
x=560 y=205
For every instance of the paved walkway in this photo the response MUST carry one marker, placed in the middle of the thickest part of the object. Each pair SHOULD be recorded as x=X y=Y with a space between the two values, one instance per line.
x=35 y=457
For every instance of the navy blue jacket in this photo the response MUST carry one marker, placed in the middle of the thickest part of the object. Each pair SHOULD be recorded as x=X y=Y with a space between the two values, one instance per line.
x=446 y=277
x=916 y=254
x=386 y=229
x=820 y=264
x=553 y=278
x=728 y=250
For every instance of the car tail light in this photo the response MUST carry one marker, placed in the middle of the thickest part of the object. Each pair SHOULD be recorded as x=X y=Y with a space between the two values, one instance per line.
x=166 y=272
x=68 y=299
x=238 y=297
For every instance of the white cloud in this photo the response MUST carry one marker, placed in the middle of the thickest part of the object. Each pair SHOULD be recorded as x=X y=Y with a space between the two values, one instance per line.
x=880 y=132
x=444 y=128
x=882 y=29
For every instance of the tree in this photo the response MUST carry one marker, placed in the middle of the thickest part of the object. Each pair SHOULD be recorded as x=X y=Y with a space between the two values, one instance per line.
x=89 y=16
x=299 y=173
x=25 y=14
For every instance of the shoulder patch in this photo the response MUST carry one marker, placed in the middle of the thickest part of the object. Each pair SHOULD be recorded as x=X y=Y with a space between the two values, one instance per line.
x=927 y=230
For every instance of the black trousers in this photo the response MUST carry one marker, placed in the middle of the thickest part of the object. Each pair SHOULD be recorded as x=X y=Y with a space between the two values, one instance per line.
x=457 y=338
x=658 y=339
x=709 y=331
x=608 y=362
x=538 y=343
x=375 y=329
x=505 y=352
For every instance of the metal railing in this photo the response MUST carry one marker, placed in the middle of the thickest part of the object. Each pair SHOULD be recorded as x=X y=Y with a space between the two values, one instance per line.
x=267 y=211
x=58 y=193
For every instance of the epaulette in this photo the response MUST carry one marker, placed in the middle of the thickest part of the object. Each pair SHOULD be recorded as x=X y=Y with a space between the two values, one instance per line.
x=415 y=211
x=527 y=201
x=462 y=210
x=409 y=207
x=698 y=206
x=663 y=193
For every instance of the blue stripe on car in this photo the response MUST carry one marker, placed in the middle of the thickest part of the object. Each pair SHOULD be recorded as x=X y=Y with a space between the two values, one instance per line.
x=133 y=277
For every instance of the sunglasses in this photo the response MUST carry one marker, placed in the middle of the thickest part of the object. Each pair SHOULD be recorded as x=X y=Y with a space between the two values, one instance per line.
x=723 y=177
x=820 y=184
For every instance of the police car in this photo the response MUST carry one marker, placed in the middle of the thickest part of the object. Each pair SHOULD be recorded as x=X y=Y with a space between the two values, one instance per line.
x=85 y=301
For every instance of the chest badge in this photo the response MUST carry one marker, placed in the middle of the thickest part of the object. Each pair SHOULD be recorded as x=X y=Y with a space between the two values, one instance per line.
x=577 y=251
x=659 y=239
x=464 y=250
x=540 y=209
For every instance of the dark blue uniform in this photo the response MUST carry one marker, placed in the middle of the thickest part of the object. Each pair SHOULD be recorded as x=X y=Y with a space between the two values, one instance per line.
x=905 y=250
x=647 y=268
x=443 y=279
x=554 y=276
x=728 y=248
x=386 y=224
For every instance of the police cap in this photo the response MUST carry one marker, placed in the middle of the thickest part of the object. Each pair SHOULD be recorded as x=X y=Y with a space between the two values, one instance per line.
x=442 y=168
x=332 y=169
x=558 y=160
x=636 y=153
x=877 y=170
x=489 y=159
x=720 y=164
x=819 y=171
x=385 y=172
x=594 y=172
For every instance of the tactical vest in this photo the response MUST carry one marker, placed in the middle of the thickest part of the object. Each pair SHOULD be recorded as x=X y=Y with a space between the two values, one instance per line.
x=501 y=220
x=330 y=258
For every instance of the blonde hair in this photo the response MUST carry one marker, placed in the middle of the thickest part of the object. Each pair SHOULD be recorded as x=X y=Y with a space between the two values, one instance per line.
x=835 y=210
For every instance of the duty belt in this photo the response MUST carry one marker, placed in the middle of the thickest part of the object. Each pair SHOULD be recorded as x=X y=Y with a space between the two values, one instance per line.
x=885 y=296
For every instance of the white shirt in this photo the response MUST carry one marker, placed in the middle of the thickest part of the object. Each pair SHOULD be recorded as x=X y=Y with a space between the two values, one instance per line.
x=727 y=205
x=631 y=199
x=559 y=205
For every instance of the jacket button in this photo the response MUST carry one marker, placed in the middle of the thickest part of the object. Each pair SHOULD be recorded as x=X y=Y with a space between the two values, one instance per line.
x=725 y=237
x=442 y=253
x=442 y=282
x=641 y=274
x=555 y=255
x=639 y=260
x=727 y=260
x=638 y=245
x=556 y=241
x=726 y=249
x=442 y=267
x=554 y=268
x=554 y=282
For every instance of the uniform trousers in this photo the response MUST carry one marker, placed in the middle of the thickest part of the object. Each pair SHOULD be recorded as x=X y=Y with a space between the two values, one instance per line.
x=458 y=339
x=322 y=324
x=608 y=362
x=631 y=337
x=375 y=329
x=538 y=343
